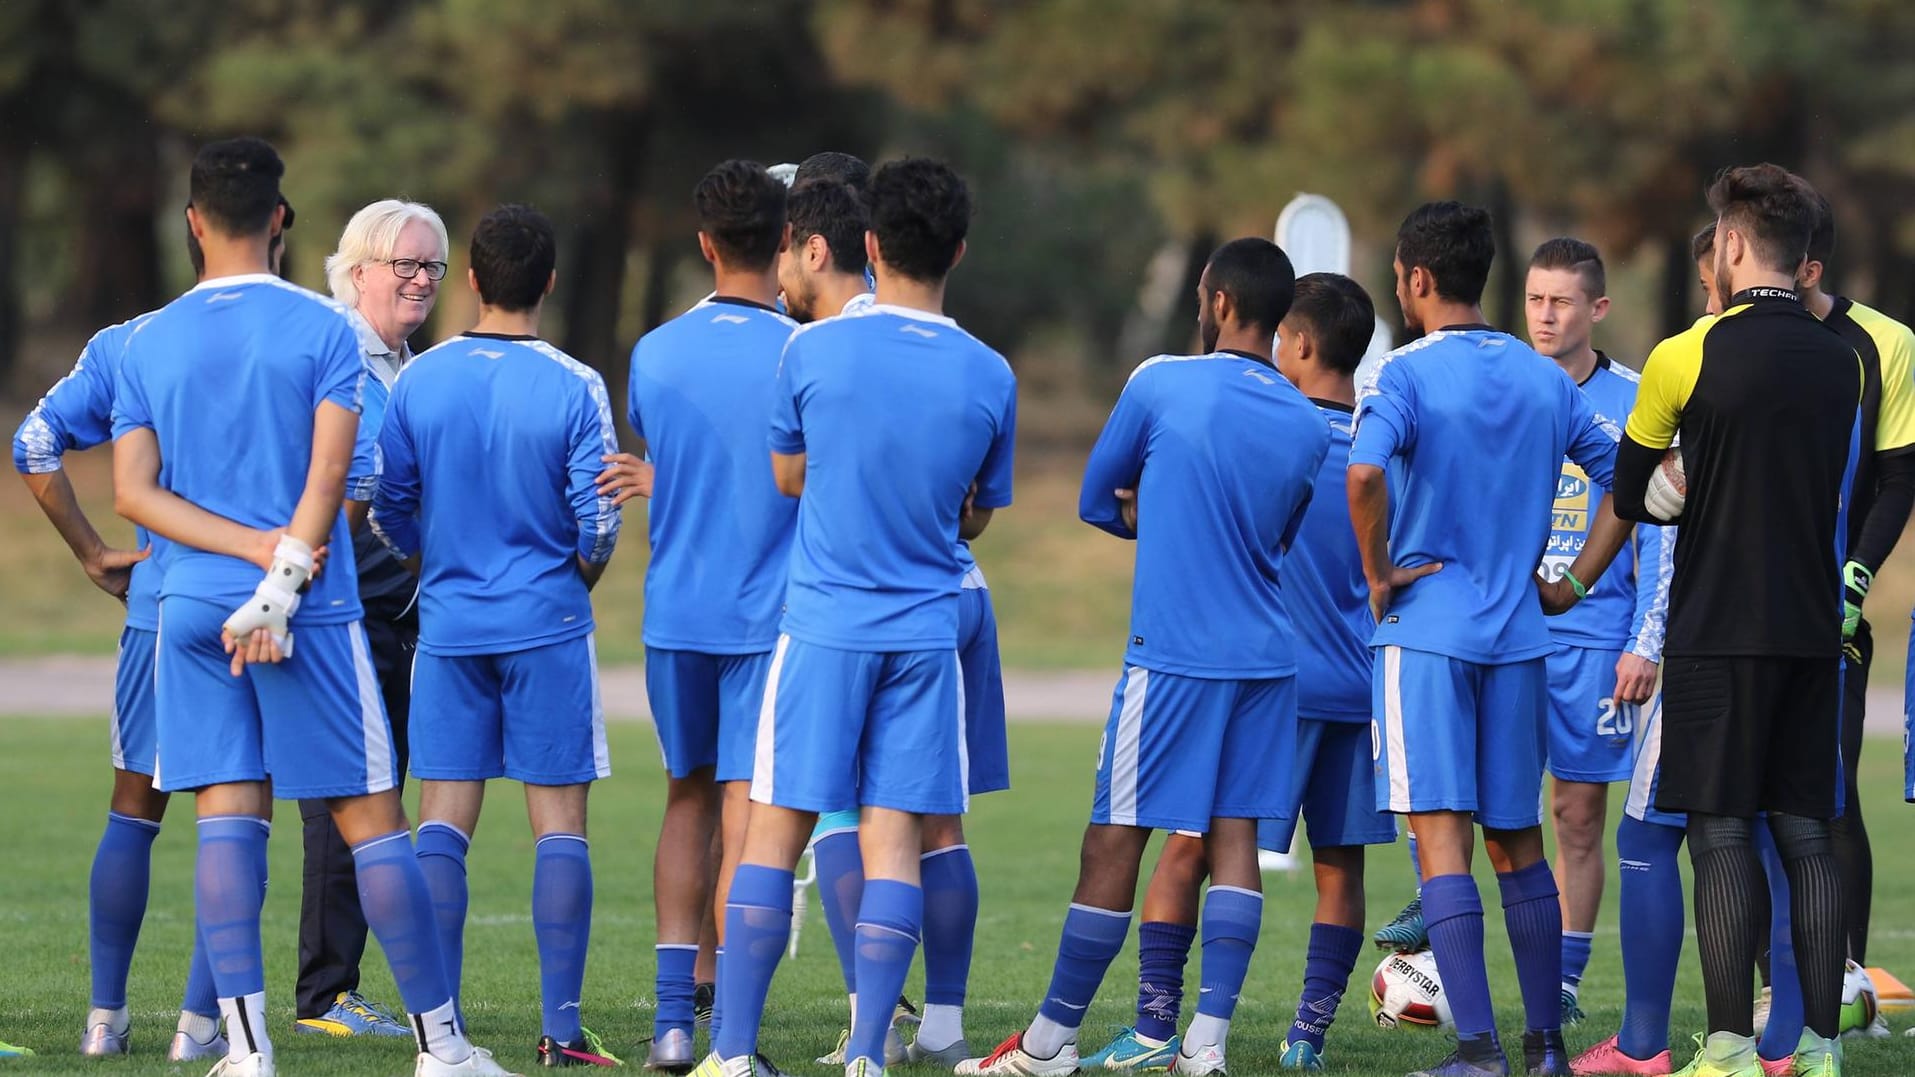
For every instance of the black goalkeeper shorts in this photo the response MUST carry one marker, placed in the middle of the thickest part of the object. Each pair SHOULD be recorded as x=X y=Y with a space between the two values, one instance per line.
x=1747 y=734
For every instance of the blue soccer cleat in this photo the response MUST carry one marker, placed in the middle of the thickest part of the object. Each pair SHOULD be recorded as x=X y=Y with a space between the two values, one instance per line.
x=1130 y=1052
x=1407 y=933
x=1300 y=1056
x=351 y=1015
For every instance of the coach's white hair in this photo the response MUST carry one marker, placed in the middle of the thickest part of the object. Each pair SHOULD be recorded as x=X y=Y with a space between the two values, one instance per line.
x=371 y=236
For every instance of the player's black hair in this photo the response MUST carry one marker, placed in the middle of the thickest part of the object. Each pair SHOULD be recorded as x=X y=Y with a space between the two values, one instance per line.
x=1766 y=204
x=835 y=166
x=1338 y=315
x=1703 y=243
x=514 y=250
x=741 y=208
x=1453 y=243
x=1822 y=232
x=1258 y=278
x=1567 y=252
x=234 y=185
x=833 y=210
x=920 y=211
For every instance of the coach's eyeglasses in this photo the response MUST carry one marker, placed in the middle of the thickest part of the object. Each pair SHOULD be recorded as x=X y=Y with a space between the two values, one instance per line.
x=408 y=268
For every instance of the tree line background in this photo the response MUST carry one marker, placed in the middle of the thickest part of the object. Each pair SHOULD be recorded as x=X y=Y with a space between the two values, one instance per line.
x=1110 y=143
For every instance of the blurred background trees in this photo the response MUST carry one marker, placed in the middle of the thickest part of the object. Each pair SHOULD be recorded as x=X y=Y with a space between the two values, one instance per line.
x=1110 y=143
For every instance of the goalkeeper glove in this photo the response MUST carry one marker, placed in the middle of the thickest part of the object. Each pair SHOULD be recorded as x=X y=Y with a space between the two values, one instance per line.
x=1856 y=579
x=276 y=598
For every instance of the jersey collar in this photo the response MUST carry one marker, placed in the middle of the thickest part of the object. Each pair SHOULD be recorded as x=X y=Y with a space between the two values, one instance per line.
x=1751 y=295
x=1468 y=327
x=913 y=312
x=1257 y=359
x=216 y=283
x=740 y=301
x=1334 y=405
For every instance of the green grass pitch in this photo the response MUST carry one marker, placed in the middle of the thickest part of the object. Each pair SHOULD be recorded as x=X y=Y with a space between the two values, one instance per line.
x=1025 y=841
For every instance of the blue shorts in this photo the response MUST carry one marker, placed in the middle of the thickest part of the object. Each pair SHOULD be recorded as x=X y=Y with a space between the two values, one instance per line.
x=1641 y=803
x=1333 y=790
x=315 y=722
x=705 y=709
x=135 y=735
x=844 y=729
x=532 y=716
x=1180 y=751
x=1592 y=738
x=1459 y=736
x=985 y=741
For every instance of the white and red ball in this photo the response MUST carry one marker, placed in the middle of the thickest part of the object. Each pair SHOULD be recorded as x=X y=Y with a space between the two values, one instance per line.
x=1406 y=991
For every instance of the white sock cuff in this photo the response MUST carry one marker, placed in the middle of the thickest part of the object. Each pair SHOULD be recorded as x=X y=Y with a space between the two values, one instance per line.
x=1579 y=934
x=1236 y=890
x=1124 y=915
x=947 y=849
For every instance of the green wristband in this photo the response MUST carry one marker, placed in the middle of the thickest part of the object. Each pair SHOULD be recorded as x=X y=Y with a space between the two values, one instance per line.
x=1575 y=584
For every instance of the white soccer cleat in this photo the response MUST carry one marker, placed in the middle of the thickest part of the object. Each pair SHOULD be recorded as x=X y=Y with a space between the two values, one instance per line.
x=862 y=1067
x=714 y=1066
x=102 y=1041
x=253 y=1065
x=1012 y=1060
x=187 y=1049
x=479 y=1063
x=1207 y=1061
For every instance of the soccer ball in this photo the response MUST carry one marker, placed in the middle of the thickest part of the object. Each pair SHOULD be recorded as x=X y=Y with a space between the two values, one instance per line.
x=1668 y=488
x=1859 y=1001
x=1406 y=991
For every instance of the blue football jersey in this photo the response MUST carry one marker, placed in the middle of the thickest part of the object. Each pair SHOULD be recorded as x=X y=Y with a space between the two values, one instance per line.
x=1223 y=452
x=1471 y=426
x=898 y=413
x=1628 y=607
x=77 y=413
x=1323 y=587
x=492 y=448
x=228 y=377
x=701 y=397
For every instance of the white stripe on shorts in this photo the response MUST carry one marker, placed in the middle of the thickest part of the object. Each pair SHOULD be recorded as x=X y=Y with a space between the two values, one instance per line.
x=1124 y=754
x=372 y=713
x=113 y=726
x=764 y=748
x=159 y=637
x=963 y=732
x=1399 y=756
x=601 y=754
x=1648 y=759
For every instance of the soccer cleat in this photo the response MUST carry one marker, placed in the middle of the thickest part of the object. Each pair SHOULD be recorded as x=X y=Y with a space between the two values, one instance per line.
x=1012 y=1060
x=187 y=1049
x=1406 y=933
x=1607 y=1059
x=8 y=1050
x=704 y=997
x=1762 y=1011
x=765 y=1067
x=1207 y=1061
x=1458 y=1066
x=903 y=1016
x=742 y=1066
x=101 y=1041
x=479 y=1063
x=351 y=1015
x=944 y=1058
x=1572 y=1008
x=1723 y=1054
x=862 y=1067
x=1544 y=1054
x=1776 y=1067
x=836 y=1055
x=1817 y=1057
x=253 y=1065
x=1300 y=1056
x=587 y=1050
x=671 y=1052
x=1129 y=1051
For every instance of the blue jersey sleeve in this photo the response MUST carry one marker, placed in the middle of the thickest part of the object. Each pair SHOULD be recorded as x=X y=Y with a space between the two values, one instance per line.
x=631 y=392
x=1592 y=438
x=342 y=369
x=1655 y=567
x=994 y=477
x=362 y=478
x=1116 y=461
x=130 y=409
x=593 y=437
x=787 y=424
x=395 y=505
x=77 y=413
x=1385 y=418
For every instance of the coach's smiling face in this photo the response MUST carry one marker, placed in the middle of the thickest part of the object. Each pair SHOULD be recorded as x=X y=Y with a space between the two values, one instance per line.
x=397 y=306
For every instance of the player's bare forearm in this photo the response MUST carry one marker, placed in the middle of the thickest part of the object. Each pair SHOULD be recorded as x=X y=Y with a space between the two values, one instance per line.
x=1607 y=534
x=54 y=493
x=356 y=513
x=788 y=471
x=1369 y=494
x=591 y=571
x=334 y=429
x=973 y=521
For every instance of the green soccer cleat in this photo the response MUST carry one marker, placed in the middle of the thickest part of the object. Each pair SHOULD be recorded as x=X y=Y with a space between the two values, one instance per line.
x=8 y=1050
x=1723 y=1054
x=1132 y=1052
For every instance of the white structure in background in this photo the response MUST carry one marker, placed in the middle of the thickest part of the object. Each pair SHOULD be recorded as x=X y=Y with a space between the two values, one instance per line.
x=1313 y=231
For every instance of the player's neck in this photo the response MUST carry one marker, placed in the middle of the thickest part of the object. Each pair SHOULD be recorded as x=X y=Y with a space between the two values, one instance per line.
x=1441 y=313
x=235 y=257
x=1755 y=277
x=499 y=322
x=1246 y=341
x=1819 y=302
x=897 y=290
x=1322 y=383
x=837 y=289
x=760 y=286
x=1580 y=365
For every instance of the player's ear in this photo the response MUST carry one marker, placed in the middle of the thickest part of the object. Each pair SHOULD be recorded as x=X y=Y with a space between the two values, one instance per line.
x=959 y=256
x=705 y=248
x=871 y=252
x=194 y=223
x=472 y=282
x=817 y=253
x=1599 y=309
x=551 y=282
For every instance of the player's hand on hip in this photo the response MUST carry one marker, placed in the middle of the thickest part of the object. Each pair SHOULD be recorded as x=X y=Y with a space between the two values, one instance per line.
x=1127 y=507
x=1383 y=592
x=1557 y=596
x=1635 y=679
x=111 y=570
x=625 y=477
